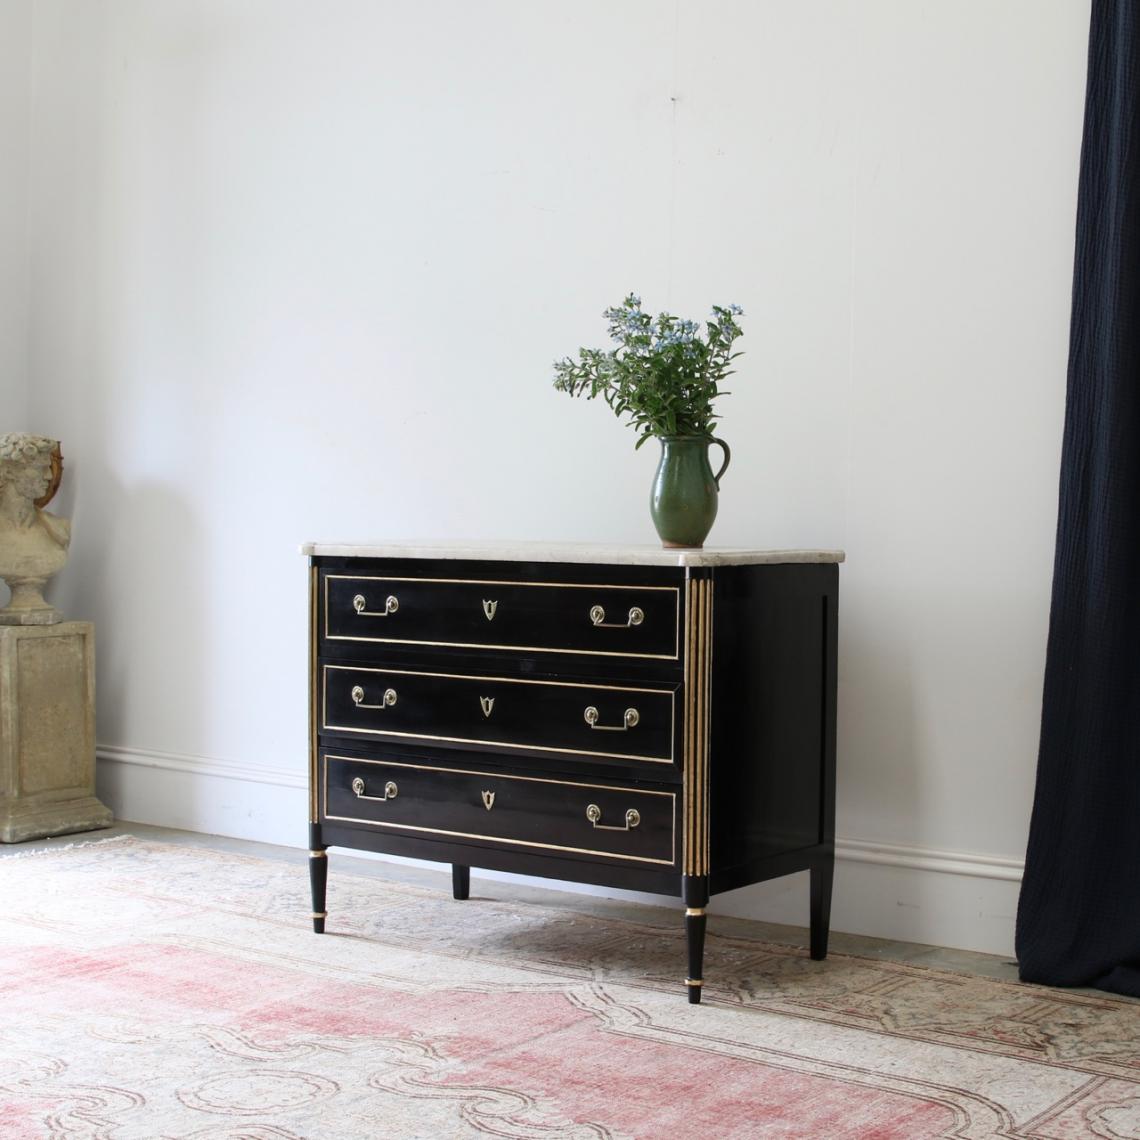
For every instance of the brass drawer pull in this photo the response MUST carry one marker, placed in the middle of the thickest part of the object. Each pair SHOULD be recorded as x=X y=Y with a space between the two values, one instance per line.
x=598 y=617
x=386 y=701
x=390 y=791
x=391 y=605
x=632 y=716
x=594 y=813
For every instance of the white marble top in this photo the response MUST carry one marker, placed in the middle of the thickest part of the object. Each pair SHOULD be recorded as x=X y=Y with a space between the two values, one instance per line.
x=569 y=552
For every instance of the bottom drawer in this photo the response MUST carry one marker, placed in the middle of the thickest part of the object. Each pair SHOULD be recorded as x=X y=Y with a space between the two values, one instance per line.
x=539 y=813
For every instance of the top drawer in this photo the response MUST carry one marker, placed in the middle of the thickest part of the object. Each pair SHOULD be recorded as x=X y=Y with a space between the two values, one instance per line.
x=542 y=617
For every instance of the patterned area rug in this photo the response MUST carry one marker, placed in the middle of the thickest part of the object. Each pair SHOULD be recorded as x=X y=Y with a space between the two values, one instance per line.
x=156 y=991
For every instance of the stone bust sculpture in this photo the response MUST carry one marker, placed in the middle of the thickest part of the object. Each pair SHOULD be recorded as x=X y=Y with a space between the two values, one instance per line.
x=33 y=542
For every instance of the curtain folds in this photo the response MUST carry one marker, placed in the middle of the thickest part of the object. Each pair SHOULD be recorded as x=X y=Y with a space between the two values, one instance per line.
x=1078 y=920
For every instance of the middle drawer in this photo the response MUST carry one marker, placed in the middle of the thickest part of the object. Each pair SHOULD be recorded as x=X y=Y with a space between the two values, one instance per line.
x=607 y=721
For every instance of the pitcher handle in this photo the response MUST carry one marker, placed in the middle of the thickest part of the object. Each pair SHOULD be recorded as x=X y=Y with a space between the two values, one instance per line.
x=727 y=457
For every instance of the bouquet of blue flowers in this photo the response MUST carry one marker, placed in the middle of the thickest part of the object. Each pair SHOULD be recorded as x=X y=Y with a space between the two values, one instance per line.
x=663 y=373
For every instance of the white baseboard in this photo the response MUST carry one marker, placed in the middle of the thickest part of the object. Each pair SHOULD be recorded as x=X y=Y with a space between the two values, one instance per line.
x=911 y=894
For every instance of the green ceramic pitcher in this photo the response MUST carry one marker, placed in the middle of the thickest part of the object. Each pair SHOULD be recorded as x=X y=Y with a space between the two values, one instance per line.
x=684 y=499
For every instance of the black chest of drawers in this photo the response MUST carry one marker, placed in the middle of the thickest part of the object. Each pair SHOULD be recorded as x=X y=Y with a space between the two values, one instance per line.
x=657 y=721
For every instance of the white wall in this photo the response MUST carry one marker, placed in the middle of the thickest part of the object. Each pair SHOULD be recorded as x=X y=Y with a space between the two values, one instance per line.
x=301 y=274
x=15 y=110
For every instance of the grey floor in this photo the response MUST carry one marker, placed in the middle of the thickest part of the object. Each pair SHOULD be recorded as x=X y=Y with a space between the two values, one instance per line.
x=983 y=965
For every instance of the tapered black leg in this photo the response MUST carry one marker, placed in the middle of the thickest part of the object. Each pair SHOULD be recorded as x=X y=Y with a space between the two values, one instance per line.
x=460 y=881
x=695 y=936
x=695 y=889
x=821 y=877
x=318 y=877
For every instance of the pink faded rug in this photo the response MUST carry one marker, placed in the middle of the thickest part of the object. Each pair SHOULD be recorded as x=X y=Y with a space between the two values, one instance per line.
x=151 y=991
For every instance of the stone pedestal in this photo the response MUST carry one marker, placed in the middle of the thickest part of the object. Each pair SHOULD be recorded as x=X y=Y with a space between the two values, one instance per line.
x=47 y=731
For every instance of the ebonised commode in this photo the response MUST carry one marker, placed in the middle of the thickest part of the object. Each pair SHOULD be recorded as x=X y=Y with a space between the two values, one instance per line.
x=650 y=719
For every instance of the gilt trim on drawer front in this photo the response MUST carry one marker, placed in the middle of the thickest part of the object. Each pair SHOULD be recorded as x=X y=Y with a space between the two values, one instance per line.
x=670 y=759
x=698 y=676
x=671 y=796
x=314 y=672
x=517 y=648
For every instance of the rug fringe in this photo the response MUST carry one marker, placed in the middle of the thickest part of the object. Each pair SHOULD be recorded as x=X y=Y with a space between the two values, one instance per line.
x=6 y=856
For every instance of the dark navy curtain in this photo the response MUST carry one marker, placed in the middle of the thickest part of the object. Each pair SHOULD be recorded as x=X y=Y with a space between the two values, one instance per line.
x=1078 y=921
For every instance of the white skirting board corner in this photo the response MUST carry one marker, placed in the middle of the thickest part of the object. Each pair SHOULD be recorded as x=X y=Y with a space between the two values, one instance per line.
x=956 y=899
x=196 y=793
